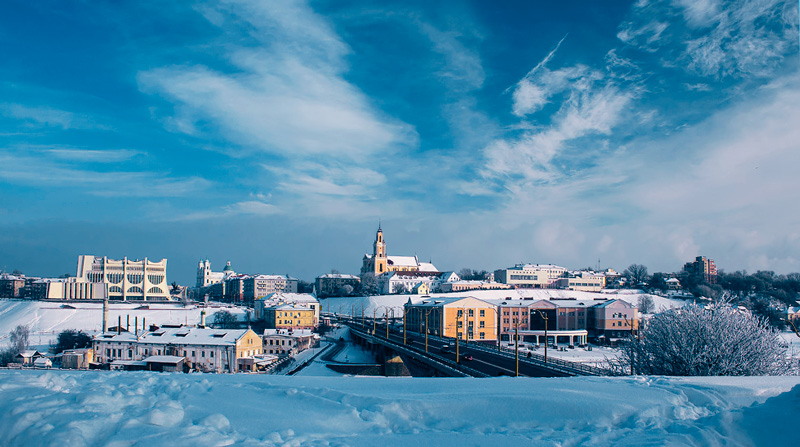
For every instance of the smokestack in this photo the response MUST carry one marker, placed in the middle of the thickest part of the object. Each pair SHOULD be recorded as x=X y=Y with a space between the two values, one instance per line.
x=119 y=324
x=203 y=318
x=105 y=313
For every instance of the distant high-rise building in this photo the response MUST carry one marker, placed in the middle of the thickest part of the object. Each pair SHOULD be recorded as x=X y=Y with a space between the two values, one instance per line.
x=702 y=268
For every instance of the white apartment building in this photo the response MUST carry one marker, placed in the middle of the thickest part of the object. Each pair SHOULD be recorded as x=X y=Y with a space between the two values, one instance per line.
x=126 y=279
x=583 y=281
x=532 y=276
x=68 y=289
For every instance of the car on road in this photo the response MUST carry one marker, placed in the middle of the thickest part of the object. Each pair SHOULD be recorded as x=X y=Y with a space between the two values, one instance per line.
x=466 y=357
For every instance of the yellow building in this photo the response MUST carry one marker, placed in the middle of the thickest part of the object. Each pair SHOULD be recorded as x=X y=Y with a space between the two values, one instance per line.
x=287 y=316
x=467 y=318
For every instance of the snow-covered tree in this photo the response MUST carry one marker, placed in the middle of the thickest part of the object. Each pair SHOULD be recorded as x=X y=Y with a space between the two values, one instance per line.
x=19 y=338
x=720 y=340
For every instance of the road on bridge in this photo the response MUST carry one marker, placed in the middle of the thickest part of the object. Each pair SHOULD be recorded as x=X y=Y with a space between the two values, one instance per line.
x=484 y=359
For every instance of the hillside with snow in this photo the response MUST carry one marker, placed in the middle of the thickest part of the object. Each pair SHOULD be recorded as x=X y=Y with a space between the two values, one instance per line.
x=47 y=408
x=46 y=319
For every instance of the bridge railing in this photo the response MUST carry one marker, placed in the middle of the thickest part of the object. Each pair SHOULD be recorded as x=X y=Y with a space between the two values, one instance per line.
x=441 y=364
x=535 y=359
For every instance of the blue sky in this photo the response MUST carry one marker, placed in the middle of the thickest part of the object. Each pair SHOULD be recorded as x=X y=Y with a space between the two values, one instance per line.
x=277 y=134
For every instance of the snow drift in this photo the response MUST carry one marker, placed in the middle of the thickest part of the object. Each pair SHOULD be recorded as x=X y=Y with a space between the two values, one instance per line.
x=43 y=408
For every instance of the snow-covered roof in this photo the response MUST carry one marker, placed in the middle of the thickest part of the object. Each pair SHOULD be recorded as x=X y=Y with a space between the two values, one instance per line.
x=28 y=353
x=9 y=277
x=427 y=267
x=616 y=303
x=113 y=336
x=171 y=359
x=288 y=306
x=180 y=335
x=445 y=300
x=297 y=333
x=193 y=336
x=403 y=261
x=274 y=277
x=338 y=276
x=537 y=266
x=288 y=297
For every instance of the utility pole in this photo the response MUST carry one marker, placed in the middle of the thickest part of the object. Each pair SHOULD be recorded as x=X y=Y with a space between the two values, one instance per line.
x=516 y=345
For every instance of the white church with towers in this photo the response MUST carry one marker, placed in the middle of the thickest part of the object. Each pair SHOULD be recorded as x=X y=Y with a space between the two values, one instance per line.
x=206 y=277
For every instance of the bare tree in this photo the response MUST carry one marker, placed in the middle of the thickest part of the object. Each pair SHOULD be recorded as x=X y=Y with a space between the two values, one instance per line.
x=19 y=338
x=636 y=274
x=646 y=304
x=720 y=340
x=225 y=320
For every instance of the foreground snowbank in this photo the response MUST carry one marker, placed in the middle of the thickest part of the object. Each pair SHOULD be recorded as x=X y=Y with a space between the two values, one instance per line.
x=148 y=409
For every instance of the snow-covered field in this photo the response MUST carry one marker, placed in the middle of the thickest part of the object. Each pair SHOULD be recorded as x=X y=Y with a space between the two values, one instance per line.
x=58 y=408
x=46 y=319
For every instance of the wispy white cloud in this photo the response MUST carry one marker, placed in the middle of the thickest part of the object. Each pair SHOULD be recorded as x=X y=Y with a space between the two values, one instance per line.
x=93 y=155
x=40 y=171
x=463 y=68
x=48 y=117
x=733 y=38
x=287 y=97
x=591 y=103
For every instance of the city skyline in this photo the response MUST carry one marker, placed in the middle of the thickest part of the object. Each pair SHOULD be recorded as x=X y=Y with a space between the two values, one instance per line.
x=278 y=135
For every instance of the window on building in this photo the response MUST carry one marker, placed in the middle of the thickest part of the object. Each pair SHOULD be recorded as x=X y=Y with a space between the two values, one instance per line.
x=211 y=354
x=471 y=313
x=482 y=324
x=482 y=335
x=202 y=353
x=482 y=313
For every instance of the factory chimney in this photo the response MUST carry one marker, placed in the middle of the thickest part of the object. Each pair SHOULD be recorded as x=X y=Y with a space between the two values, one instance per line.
x=105 y=313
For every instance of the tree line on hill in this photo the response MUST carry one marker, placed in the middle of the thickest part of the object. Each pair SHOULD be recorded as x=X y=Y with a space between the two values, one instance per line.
x=764 y=292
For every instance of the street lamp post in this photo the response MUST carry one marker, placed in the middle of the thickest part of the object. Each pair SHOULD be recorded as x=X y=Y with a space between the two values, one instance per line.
x=544 y=317
x=516 y=345
x=404 y=325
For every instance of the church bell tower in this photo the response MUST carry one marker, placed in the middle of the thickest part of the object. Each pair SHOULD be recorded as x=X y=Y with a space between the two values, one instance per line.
x=379 y=252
